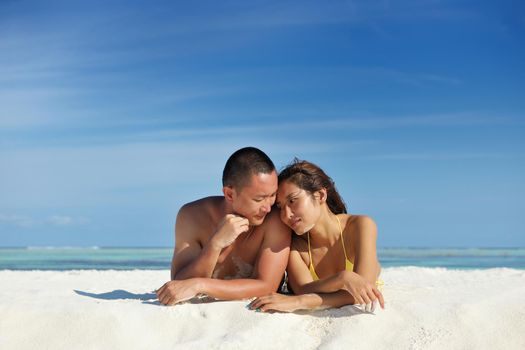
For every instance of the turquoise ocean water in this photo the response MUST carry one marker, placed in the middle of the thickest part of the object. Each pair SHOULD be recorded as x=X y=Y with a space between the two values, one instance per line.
x=102 y=258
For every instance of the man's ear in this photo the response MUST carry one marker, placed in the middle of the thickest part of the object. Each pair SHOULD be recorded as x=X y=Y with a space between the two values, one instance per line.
x=228 y=193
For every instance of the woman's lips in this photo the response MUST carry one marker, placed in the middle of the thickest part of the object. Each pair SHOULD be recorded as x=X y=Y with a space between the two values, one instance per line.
x=294 y=222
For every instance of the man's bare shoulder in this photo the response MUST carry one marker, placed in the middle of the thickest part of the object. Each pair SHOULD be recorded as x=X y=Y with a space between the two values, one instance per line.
x=299 y=244
x=207 y=205
x=200 y=214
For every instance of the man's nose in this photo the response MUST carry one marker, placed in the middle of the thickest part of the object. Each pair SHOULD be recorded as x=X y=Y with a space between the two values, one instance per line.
x=267 y=206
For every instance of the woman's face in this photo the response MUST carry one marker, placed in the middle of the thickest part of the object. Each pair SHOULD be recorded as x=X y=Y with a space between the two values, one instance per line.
x=299 y=210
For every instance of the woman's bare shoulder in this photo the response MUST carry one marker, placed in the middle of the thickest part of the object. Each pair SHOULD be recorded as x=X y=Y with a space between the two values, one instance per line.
x=360 y=225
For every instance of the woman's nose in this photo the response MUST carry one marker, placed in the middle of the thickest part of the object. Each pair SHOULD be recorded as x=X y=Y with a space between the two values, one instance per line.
x=287 y=212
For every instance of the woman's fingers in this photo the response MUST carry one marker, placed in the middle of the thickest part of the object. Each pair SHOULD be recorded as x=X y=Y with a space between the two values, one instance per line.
x=274 y=302
x=255 y=303
x=379 y=296
x=260 y=301
x=370 y=307
x=268 y=307
x=365 y=298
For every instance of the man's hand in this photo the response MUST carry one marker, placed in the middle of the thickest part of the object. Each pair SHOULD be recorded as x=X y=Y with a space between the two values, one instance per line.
x=229 y=229
x=174 y=292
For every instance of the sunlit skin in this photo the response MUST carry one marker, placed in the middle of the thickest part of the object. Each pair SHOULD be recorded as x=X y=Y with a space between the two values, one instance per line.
x=298 y=210
x=304 y=212
x=254 y=201
x=217 y=236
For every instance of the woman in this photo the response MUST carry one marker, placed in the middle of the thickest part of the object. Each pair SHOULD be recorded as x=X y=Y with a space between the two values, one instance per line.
x=333 y=260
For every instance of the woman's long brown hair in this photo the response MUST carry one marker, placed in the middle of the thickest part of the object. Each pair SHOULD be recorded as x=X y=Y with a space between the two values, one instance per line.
x=311 y=178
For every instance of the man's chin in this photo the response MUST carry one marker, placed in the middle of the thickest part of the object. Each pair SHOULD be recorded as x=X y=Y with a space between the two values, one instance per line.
x=257 y=220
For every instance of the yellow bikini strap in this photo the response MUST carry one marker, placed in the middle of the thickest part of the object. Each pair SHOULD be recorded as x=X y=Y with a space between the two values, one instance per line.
x=342 y=238
x=309 y=251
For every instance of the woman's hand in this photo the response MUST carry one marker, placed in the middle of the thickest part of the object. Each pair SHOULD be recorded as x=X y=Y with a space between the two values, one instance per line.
x=277 y=302
x=364 y=292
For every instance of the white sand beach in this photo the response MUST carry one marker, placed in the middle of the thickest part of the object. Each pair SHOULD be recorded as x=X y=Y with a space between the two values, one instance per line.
x=426 y=309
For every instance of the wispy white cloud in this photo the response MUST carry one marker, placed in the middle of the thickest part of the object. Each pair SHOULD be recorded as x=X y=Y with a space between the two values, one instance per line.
x=442 y=156
x=284 y=126
x=110 y=174
x=47 y=63
x=63 y=220
x=24 y=221
x=290 y=13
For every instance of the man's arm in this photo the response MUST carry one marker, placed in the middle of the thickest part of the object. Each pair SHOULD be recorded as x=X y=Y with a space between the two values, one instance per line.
x=190 y=259
x=269 y=269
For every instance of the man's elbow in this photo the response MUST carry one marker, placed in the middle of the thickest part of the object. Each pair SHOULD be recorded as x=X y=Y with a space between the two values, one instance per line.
x=173 y=273
x=271 y=287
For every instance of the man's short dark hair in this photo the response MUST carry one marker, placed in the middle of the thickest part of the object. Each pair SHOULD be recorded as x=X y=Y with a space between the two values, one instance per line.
x=244 y=163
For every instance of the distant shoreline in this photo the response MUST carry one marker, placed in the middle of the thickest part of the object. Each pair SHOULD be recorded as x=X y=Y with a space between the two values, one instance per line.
x=159 y=258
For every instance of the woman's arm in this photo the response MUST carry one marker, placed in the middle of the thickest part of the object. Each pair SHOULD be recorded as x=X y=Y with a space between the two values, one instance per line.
x=364 y=241
x=360 y=283
x=311 y=301
x=299 y=277
x=301 y=280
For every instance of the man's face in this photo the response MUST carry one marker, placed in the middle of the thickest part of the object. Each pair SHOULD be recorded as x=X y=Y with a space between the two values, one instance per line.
x=255 y=200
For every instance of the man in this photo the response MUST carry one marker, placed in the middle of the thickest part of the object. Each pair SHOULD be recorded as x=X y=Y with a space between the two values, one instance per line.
x=232 y=246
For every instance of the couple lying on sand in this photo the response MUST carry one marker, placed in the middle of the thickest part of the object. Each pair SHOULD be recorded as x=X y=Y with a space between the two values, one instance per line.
x=239 y=245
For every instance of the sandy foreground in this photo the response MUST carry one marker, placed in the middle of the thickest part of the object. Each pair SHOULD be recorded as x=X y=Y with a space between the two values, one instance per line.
x=426 y=309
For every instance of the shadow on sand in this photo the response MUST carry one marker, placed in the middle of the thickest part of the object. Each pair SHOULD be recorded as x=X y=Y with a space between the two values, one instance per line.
x=118 y=295
x=151 y=299
x=147 y=298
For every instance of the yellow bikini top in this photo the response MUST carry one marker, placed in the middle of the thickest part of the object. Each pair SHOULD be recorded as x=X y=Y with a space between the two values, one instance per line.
x=348 y=264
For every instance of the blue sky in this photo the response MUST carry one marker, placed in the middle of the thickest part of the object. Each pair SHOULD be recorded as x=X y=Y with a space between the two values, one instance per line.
x=115 y=113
